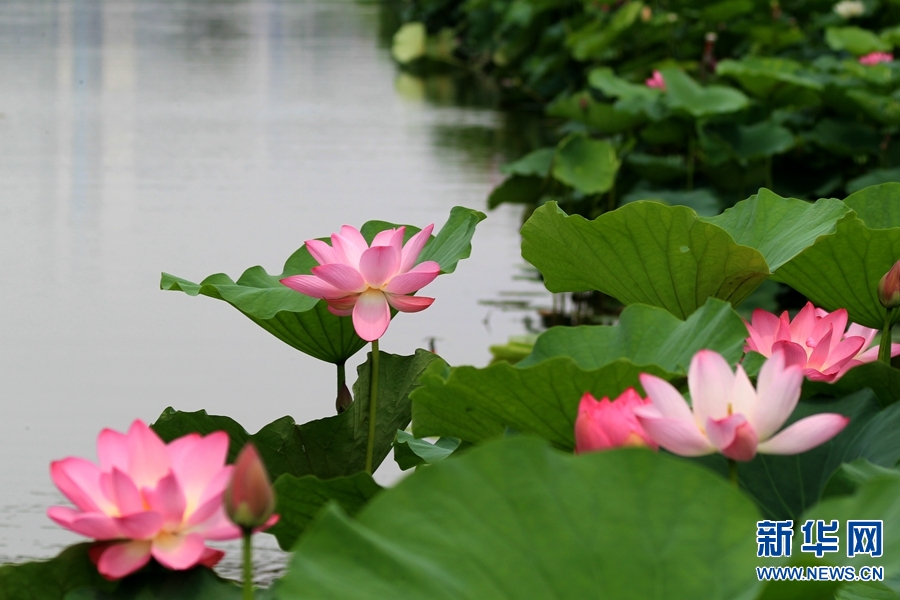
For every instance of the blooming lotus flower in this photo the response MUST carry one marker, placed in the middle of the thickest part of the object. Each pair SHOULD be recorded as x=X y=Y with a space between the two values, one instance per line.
x=604 y=424
x=656 y=81
x=729 y=416
x=815 y=340
x=367 y=282
x=147 y=499
x=875 y=58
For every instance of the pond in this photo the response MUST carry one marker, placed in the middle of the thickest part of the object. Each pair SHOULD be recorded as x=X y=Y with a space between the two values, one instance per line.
x=194 y=138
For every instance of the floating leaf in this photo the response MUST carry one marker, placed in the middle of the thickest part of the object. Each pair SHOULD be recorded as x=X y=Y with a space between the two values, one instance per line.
x=642 y=252
x=687 y=95
x=303 y=322
x=410 y=451
x=780 y=228
x=327 y=448
x=516 y=519
x=589 y=166
x=646 y=335
x=301 y=498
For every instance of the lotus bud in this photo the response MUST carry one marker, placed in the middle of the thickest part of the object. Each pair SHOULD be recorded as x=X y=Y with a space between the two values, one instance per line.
x=889 y=287
x=344 y=398
x=249 y=498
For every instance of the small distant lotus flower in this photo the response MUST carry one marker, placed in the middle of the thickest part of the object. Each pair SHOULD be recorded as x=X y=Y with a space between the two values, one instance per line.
x=875 y=58
x=367 y=282
x=147 y=499
x=889 y=287
x=815 y=340
x=656 y=81
x=604 y=424
x=249 y=497
x=847 y=9
x=729 y=416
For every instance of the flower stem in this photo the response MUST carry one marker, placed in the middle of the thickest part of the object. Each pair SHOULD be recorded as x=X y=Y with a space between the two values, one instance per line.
x=884 y=349
x=733 y=472
x=373 y=407
x=248 y=564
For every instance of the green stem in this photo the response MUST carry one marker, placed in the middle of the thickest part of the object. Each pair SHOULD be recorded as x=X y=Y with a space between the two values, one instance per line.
x=373 y=407
x=733 y=472
x=248 y=564
x=769 y=172
x=341 y=376
x=884 y=349
x=690 y=164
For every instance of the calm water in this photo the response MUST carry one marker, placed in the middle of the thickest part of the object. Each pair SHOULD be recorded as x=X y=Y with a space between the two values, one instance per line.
x=198 y=137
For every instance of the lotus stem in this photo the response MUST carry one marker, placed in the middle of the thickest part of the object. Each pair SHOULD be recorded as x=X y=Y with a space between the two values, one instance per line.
x=884 y=349
x=373 y=407
x=248 y=564
x=690 y=164
x=733 y=472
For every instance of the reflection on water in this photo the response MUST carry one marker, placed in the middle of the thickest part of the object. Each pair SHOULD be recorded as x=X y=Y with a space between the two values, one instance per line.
x=196 y=137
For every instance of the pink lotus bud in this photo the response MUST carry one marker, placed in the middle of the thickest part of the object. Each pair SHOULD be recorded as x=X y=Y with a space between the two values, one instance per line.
x=875 y=58
x=603 y=425
x=656 y=81
x=889 y=287
x=249 y=498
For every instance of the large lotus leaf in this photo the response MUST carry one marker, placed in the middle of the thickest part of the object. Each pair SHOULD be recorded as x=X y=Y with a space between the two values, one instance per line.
x=875 y=500
x=855 y=40
x=763 y=77
x=51 y=579
x=156 y=583
x=658 y=169
x=685 y=94
x=634 y=99
x=785 y=486
x=643 y=252
x=327 y=448
x=479 y=404
x=702 y=201
x=589 y=166
x=873 y=177
x=647 y=335
x=878 y=206
x=304 y=323
x=301 y=498
x=780 y=228
x=865 y=590
x=751 y=142
x=882 y=108
x=848 y=478
x=516 y=519
x=845 y=137
x=596 y=37
x=842 y=270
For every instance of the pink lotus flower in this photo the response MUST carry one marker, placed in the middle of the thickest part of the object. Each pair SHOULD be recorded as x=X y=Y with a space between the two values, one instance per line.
x=875 y=58
x=604 y=424
x=367 y=281
x=729 y=416
x=815 y=340
x=656 y=81
x=148 y=499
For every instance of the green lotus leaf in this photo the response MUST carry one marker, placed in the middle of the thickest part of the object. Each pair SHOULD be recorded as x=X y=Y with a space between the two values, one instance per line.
x=842 y=269
x=301 y=498
x=410 y=451
x=685 y=94
x=882 y=379
x=873 y=177
x=855 y=40
x=646 y=335
x=157 y=583
x=52 y=579
x=596 y=37
x=765 y=76
x=601 y=116
x=475 y=405
x=865 y=590
x=752 y=142
x=517 y=190
x=589 y=166
x=702 y=201
x=780 y=228
x=847 y=479
x=327 y=448
x=304 y=323
x=516 y=519
x=409 y=43
x=847 y=138
x=535 y=163
x=881 y=108
x=878 y=206
x=643 y=252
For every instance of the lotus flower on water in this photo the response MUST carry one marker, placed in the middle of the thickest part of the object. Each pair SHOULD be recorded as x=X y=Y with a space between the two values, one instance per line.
x=366 y=282
x=815 y=340
x=148 y=499
x=601 y=425
x=729 y=416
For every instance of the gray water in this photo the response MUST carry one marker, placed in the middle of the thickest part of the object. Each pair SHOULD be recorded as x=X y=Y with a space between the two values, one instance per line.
x=194 y=138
